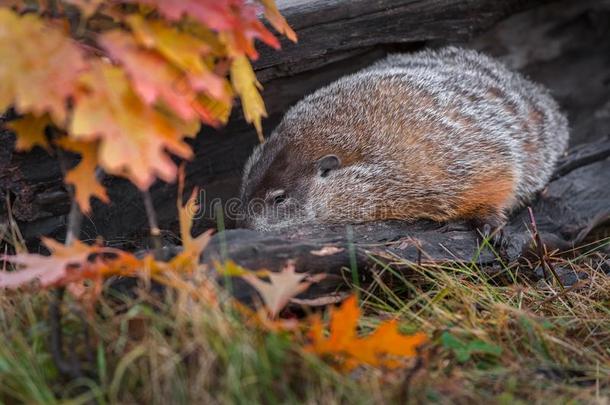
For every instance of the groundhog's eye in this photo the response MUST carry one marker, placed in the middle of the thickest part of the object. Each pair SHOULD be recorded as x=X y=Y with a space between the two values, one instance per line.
x=328 y=163
x=277 y=197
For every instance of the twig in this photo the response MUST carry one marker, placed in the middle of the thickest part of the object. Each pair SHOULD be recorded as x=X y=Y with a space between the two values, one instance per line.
x=541 y=251
x=155 y=232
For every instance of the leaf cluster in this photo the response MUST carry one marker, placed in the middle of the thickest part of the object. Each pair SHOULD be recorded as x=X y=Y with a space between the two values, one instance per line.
x=123 y=83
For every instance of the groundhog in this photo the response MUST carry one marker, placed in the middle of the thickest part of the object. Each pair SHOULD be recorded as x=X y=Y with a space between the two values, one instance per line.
x=439 y=134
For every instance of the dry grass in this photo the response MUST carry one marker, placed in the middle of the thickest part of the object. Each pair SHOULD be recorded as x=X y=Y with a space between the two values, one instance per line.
x=499 y=339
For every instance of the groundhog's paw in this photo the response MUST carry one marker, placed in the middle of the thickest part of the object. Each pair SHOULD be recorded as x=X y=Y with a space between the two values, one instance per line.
x=490 y=228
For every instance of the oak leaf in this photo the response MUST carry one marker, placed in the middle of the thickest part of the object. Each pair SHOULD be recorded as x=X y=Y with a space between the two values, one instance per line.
x=384 y=347
x=133 y=137
x=30 y=132
x=282 y=286
x=83 y=177
x=40 y=66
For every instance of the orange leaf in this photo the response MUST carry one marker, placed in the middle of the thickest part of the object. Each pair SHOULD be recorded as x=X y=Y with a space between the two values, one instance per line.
x=83 y=177
x=30 y=132
x=343 y=323
x=277 y=20
x=383 y=348
x=133 y=136
x=40 y=66
x=245 y=84
x=281 y=287
x=247 y=27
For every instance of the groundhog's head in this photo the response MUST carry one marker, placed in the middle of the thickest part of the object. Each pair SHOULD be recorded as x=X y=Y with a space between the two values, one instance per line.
x=290 y=180
x=279 y=186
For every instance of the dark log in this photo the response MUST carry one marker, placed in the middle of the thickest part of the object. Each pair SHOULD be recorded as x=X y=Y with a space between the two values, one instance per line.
x=335 y=37
x=566 y=211
x=328 y=29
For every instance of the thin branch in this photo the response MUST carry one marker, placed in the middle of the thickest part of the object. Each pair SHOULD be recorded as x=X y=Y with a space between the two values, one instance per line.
x=541 y=251
x=153 y=224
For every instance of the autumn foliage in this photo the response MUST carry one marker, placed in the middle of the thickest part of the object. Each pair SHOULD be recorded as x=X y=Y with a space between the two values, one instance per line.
x=123 y=83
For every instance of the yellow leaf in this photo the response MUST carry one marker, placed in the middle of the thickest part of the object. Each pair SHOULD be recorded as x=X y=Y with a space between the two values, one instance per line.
x=231 y=269
x=245 y=84
x=83 y=177
x=30 y=132
x=39 y=67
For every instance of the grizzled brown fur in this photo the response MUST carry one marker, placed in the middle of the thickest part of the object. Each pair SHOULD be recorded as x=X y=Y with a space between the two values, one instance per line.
x=441 y=135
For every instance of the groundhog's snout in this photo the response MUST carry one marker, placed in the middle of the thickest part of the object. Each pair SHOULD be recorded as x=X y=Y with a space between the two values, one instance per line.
x=279 y=196
x=263 y=213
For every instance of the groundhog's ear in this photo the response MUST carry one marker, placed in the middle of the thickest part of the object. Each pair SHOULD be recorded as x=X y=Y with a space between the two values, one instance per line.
x=327 y=163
